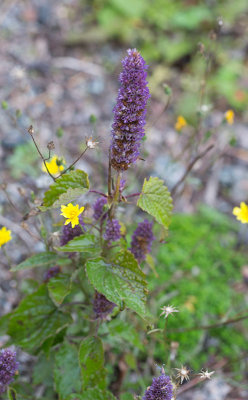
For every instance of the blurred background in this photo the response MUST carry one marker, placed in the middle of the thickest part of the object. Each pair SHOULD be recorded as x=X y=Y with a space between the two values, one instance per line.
x=60 y=62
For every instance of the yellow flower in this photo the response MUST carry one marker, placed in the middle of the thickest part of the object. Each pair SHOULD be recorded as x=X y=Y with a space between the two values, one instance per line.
x=5 y=236
x=181 y=122
x=71 y=212
x=229 y=116
x=241 y=213
x=54 y=166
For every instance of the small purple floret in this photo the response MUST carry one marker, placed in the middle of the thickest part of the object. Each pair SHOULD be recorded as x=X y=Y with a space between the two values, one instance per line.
x=69 y=233
x=160 y=389
x=8 y=368
x=51 y=272
x=142 y=240
x=102 y=306
x=98 y=208
x=129 y=112
x=113 y=230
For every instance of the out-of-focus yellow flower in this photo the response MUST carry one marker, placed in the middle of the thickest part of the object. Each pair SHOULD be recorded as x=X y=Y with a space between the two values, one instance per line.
x=229 y=116
x=181 y=122
x=5 y=236
x=190 y=303
x=241 y=213
x=71 y=212
x=55 y=165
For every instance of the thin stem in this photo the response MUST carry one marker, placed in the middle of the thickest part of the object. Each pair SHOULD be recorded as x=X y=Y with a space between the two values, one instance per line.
x=109 y=175
x=43 y=159
x=189 y=168
x=74 y=162
x=132 y=195
x=96 y=191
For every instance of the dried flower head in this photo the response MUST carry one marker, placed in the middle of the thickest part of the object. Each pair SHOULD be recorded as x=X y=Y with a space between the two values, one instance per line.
x=90 y=143
x=142 y=240
x=113 y=230
x=5 y=236
x=98 y=208
x=102 y=307
x=31 y=130
x=167 y=310
x=129 y=112
x=183 y=373
x=71 y=212
x=51 y=145
x=8 y=368
x=206 y=374
x=160 y=389
x=241 y=213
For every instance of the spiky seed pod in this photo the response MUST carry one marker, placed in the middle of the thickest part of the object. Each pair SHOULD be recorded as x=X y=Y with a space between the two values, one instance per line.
x=102 y=307
x=160 y=389
x=129 y=112
x=98 y=208
x=142 y=240
x=68 y=233
x=8 y=368
x=51 y=272
x=113 y=230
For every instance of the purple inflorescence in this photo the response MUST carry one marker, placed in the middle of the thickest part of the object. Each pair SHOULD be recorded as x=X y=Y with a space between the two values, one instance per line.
x=160 y=389
x=51 y=272
x=68 y=233
x=129 y=112
x=113 y=230
x=102 y=306
x=142 y=240
x=8 y=368
x=98 y=208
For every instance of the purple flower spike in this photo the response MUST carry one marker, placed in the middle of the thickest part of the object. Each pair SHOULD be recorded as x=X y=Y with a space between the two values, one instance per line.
x=113 y=230
x=160 y=389
x=51 y=272
x=8 y=368
x=102 y=306
x=98 y=208
x=69 y=233
x=129 y=112
x=142 y=240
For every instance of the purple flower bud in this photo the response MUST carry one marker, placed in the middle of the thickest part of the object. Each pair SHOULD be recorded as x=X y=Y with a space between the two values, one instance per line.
x=113 y=230
x=122 y=184
x=98 y=208
x=142 y=240
x=69 y=233
x=160 y=389
x=102 y=306
x=51 y=272
x=8 y=368
x=129 y=112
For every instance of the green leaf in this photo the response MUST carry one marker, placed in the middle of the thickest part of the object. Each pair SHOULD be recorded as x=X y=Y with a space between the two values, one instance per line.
x=85 y=243
x=121 y=281
x=35 y=320
x=12 y=395
x=93 y=394
x=67 y=371
x=59 y=287
x=91 y=360
x=156 y=200
x=66 y=189
x=119 y=330
x=127 y=396
x=40 y=260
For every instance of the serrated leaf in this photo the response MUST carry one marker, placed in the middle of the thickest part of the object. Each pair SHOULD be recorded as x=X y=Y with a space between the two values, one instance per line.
x=121 y=281
x=66 y=371
x=91 y=360
x=35 y=320
x=119 y=330
x=40 y=260
x=93 y=394
x=85 y=243
x=156 y=200
x=66 y=189
x=59 y=287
